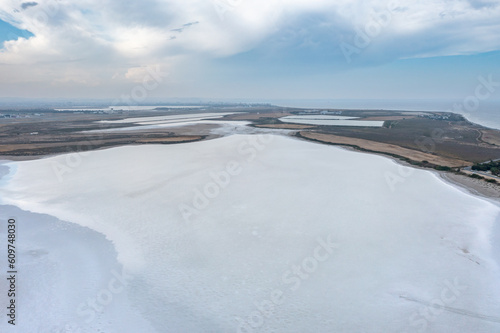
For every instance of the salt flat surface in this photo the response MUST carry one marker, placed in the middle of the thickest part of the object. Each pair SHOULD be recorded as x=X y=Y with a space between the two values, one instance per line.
x=253 y=233
x=331 y=121
x=222 y=124
x=63 y=269
x=148 y=123
x=320 y=117
x=179 y=117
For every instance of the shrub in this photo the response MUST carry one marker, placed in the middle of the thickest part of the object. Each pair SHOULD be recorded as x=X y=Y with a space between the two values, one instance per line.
x=442 y=168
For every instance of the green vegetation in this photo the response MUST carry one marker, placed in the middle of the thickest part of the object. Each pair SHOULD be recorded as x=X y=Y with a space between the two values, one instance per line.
x=442 y=168
x=493 y=167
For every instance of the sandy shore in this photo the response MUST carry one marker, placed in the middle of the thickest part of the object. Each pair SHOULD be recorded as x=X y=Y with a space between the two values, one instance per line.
x=474 y=186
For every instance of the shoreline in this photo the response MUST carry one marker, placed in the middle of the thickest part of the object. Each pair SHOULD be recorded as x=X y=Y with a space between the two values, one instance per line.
x=52 y=252
x=47 y=248
x=475 y=187
x=331 y=159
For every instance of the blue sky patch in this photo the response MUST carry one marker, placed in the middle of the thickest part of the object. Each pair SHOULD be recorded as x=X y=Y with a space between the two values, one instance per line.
x=9 y=32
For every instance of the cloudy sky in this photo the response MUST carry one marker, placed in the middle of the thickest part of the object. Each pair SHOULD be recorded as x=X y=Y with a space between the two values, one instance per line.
x=247 y=48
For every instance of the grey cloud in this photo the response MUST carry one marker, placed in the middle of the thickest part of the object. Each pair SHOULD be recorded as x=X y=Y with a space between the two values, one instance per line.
x=151 y=13
x=26 y=5
x=184 y=26
x=478 y=4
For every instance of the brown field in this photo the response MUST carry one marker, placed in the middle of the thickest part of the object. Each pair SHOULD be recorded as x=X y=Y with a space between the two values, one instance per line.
x=77 y=144
x=411 y=154
x=416 y=136
x=413 y=136
x=61 y=133
x=491 y=137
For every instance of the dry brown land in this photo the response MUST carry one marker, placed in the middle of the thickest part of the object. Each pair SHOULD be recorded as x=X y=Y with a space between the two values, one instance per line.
x=491 y=137
x=435 y=133
x=384 y=148
x=87 y=143
x=412 y=135
x=55 y=133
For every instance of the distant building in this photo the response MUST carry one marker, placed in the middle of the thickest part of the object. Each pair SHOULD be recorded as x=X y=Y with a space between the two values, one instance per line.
x=435 y=116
